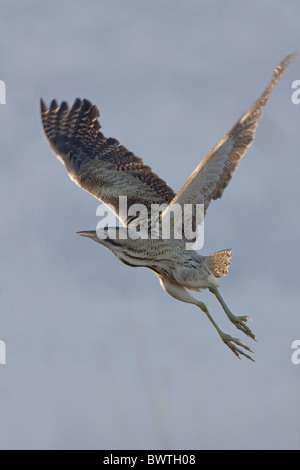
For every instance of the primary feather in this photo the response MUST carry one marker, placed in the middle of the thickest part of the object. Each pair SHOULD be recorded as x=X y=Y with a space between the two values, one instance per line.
x=98 y=164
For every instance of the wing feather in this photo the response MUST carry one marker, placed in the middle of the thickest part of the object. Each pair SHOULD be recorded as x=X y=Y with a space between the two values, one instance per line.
x=98 y=164
x=213 y=174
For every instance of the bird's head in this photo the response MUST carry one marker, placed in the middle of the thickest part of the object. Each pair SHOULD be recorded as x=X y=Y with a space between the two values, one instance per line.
x=118 y=241
x=111 y=237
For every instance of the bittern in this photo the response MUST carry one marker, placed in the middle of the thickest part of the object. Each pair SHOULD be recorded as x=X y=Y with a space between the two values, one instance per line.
x=109 y=171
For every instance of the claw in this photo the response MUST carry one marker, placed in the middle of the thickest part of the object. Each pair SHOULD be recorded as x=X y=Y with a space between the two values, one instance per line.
x=249 y=318
x=231 y=343
x=245 y=318
x=239 y=322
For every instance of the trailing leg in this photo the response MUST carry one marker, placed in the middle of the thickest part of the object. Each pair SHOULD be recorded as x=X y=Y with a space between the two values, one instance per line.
x=180 y=293
x=227 y=339
x=239 y=322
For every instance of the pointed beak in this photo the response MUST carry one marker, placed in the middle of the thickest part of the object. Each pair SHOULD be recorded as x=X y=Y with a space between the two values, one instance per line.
x=93 y=235
x=87 y=233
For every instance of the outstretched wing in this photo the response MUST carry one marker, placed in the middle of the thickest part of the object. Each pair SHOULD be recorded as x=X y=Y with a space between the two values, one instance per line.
x=99 y=165
x=213 y=174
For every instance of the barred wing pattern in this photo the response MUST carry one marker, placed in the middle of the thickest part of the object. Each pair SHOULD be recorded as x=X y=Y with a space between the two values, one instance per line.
x=98 y=164
x=109 y=170
x=213 y=174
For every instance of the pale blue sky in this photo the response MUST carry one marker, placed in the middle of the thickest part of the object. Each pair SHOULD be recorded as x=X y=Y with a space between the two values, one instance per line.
x=98 y=356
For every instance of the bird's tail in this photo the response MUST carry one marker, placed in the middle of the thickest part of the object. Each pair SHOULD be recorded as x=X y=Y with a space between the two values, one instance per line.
x=218 y=263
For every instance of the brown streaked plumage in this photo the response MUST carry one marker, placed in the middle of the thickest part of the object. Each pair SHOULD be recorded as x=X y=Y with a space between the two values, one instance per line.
x=109 y=170
x=99 y=165
x=212 y=175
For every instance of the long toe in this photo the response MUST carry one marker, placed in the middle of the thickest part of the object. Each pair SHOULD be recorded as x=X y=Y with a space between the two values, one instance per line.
x=239 y=322
x=232 y=344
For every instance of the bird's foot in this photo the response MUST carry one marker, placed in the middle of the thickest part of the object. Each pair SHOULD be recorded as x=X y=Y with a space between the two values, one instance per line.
x=239 y=323
x=232 y=342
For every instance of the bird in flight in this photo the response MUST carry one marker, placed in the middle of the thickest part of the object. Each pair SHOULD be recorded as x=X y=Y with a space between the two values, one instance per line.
x=109 y=171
